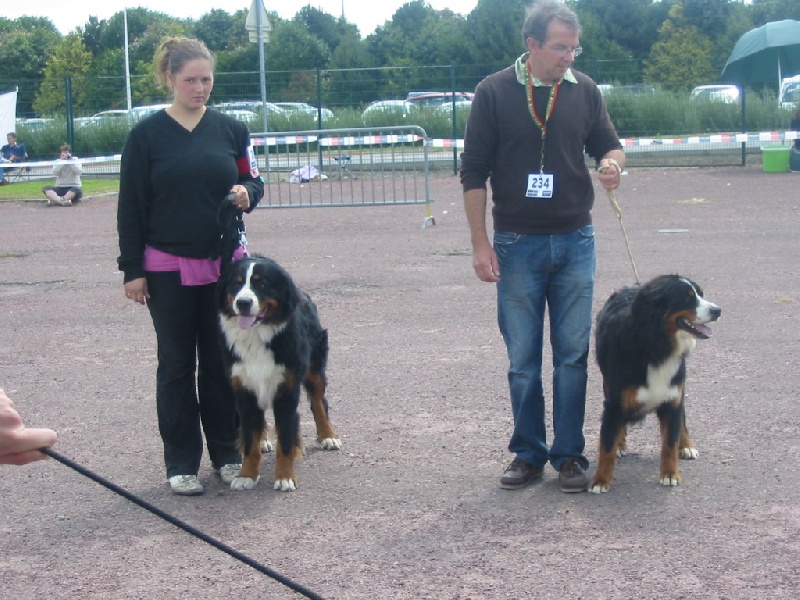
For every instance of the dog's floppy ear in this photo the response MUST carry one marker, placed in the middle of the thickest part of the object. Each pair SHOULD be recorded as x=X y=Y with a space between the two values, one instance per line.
x=650 y=308
x=281 y=286
x=290 y=296
x=227 y=272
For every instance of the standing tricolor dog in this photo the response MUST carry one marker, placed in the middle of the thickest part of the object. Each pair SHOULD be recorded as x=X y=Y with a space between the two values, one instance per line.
x=643 y=337
x=274 y=345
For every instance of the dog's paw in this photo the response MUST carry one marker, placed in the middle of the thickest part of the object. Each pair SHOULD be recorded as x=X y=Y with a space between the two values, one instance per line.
x=689 y=453
x=598 y=487
x=285 y=485
x=670 y=480
x=331 y=444
x=266 y=446
x=243 y=483
x=621 y=452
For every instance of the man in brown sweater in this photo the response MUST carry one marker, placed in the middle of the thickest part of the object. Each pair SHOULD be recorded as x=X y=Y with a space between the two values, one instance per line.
x=528 y=129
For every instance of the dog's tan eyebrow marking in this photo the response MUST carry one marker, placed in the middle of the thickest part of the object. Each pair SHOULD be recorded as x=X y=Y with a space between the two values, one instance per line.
x=693 y=291
x=256 y=277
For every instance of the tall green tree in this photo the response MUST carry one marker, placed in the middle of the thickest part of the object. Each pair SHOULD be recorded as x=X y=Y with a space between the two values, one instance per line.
x=615 y=29
x=708 y=16
x=220 y=30
x=25 y=47
x=764 y=11
x=350 y=80
x=91 y=32
x=70 y=59
x=26 y=44
x=395 y=42
x=293 y=47
x=442 y=40
x=495 y=31
x=682 y=56
x=419 y=35
x=329 y=29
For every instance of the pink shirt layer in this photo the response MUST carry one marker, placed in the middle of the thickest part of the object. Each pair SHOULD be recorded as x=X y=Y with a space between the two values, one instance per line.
x=194 y=271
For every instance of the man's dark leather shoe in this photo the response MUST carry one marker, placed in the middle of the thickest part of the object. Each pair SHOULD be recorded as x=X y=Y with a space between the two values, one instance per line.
x=571 y=477
x=519 y=474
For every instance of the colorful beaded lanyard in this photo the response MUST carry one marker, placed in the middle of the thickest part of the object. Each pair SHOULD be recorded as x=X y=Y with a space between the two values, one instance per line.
x=550 y=105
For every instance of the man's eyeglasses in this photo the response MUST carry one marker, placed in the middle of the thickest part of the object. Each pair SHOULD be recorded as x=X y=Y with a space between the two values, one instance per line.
x=560 y=49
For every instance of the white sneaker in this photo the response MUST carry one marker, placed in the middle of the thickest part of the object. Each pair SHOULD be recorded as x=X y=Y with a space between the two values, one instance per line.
x=229 y=472
x=186 y=485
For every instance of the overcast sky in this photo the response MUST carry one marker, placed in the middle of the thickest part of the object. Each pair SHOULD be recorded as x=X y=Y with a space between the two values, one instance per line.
x=66 y=15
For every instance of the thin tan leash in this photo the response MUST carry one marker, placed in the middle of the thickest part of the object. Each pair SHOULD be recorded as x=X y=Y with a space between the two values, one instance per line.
x=618 y=212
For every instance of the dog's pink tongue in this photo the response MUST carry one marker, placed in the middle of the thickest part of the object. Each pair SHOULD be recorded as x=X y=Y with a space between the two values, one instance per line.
x=246 y=321
x=705 y=330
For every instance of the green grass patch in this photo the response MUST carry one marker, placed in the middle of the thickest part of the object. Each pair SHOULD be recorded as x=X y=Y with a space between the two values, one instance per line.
x=32 y=190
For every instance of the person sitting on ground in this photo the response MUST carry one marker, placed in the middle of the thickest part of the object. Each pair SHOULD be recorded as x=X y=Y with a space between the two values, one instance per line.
x=11 y=153
x=68 y=189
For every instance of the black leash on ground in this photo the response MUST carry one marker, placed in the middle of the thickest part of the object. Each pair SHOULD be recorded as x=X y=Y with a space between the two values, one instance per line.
x=181 y=525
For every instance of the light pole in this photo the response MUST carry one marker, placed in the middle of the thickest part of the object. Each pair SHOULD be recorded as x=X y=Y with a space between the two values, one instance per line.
x=258 y=29
x=127 y=63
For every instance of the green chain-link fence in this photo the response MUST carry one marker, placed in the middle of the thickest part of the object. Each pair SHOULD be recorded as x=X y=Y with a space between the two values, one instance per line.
x=637 y=110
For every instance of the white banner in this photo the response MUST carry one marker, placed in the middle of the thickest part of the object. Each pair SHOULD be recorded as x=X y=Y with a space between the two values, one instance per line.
x=8 y=114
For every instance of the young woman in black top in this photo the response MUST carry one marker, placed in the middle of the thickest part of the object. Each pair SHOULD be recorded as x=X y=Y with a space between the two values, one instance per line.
x=178 y=166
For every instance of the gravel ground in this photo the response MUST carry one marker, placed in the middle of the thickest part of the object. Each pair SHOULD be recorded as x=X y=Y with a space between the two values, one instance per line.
x=411 y=507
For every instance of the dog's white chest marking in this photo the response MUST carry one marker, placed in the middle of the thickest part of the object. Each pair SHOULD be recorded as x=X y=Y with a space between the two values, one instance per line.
x=659 y=388
x=256 y=367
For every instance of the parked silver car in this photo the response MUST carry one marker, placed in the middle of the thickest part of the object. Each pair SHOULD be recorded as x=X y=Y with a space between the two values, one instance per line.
x=304 y=108
x=729 y=94
x=251 y=105
x=401 y=108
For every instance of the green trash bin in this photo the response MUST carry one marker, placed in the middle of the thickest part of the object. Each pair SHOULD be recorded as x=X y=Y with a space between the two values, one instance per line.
x=775 y=158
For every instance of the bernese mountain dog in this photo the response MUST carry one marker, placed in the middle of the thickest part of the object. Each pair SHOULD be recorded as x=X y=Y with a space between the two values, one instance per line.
x=642 y=338
x=274 y=345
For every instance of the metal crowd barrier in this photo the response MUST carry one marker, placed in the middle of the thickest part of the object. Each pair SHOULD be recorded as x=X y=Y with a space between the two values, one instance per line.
x=345 y=167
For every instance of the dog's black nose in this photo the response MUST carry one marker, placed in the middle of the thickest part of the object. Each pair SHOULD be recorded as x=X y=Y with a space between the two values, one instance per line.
x=244 y=305
x=715 y=313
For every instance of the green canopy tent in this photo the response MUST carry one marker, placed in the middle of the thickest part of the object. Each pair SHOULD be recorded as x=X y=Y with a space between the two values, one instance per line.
x=767 y=53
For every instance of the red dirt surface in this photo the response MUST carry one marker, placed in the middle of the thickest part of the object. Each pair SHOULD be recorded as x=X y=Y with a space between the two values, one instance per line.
x=411 y=507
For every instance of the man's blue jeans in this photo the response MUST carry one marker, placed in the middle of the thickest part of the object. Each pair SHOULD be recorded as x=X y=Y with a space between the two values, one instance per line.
x=556 y=271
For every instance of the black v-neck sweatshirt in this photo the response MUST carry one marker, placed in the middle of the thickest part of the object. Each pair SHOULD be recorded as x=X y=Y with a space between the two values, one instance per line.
x=172 y=182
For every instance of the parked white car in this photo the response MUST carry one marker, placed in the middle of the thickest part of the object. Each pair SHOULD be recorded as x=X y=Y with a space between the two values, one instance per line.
x=789 y=96
x=304 y=108
x=388 y=107
x=251 y=105
x=140 y=112
x=462 y=106
x=246 y=116
x=111 y=114
x=729 y=94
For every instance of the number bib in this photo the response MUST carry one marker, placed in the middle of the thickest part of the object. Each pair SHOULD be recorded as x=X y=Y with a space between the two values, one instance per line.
x=540 y=185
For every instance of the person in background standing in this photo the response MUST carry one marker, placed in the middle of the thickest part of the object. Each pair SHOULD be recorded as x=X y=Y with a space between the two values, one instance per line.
x=68 y=189
x=543 y=253
x=179 y=167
